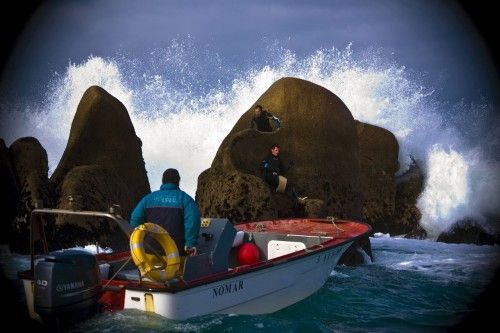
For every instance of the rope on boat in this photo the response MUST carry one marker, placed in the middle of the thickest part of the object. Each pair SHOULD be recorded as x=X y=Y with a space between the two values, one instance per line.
x=333 y=219
x=116 y=273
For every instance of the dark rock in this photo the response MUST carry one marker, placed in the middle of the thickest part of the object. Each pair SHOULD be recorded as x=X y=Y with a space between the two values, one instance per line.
x=9 y=194
x=102 y=134
x=30 y=163
x=318 y=133
x=94 y=188
x=358 y=253
x=102 y=166
x=378 y=161
x=409 y=186
x=100 y=190
x=416 y=233
x=315 y=208
x=231 y=194
x=468 y=232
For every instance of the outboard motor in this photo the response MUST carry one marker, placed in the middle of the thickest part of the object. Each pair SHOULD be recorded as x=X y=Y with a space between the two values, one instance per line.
x=67 y=283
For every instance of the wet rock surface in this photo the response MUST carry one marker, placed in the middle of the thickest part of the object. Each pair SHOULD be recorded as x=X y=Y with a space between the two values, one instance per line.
x=468 y=232
x=318 y=134
x=30 y=165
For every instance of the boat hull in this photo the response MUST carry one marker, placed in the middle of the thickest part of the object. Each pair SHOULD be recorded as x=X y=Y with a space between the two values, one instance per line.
x=256 y=292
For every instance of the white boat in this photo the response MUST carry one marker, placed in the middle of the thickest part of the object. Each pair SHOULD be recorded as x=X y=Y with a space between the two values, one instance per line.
x=296 y=258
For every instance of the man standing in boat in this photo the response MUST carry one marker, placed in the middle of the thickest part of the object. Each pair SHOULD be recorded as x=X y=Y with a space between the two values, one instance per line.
x=174 y=210
x=260 y=120
x=273 y=170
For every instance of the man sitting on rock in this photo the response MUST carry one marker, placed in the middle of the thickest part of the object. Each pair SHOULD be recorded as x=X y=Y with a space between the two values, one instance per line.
x=174 y=210
x=260 y=120
x=273 y=171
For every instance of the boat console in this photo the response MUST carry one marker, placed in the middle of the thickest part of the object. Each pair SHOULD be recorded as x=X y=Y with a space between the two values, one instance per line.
x=214 y=243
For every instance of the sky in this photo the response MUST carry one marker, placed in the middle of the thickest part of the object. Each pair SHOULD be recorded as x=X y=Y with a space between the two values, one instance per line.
x=434 y=39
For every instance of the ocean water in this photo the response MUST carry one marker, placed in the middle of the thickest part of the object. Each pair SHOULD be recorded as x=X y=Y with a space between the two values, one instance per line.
x=412 y=286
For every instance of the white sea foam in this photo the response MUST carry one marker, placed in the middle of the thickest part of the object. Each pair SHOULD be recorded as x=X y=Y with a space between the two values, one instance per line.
x=93 y=249
x=446 y=193
x=338 y=274
x=381 y=235
x=182 y=110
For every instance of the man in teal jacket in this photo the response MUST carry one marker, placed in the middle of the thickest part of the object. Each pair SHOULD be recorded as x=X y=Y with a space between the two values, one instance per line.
x=173 y=209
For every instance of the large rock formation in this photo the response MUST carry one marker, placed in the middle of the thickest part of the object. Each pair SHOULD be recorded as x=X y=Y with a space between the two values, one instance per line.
x=318 y=133
x=102 y=134
x=9 y=193
x=469 y=232
x=378 y=161
x=30 y=163
x=102 y=164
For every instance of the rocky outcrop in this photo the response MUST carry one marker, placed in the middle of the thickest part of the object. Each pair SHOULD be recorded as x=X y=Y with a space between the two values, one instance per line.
x=389 y=201
x=418 y=232
x=236 y=195
x=9 y=193
x=468 y=232
x=102 y=164
x=102 y=134
x=94 y=188
x=30 y=163
x=409 y=186
x=378 y=161
x=315 y=208
x=359 y=253
x=101 y=189
x=318 y=133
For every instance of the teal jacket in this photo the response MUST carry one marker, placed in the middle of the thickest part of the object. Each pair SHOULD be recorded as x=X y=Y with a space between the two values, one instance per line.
x=174 y=210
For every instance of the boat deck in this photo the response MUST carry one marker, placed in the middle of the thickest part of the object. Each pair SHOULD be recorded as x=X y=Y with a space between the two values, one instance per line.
x=339 y=231
x=316 y=234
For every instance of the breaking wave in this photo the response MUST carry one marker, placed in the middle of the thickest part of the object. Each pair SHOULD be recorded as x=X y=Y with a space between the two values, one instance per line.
x=184 y=100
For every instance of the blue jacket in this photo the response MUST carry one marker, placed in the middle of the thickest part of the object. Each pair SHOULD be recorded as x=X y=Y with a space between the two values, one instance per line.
x=174 y=210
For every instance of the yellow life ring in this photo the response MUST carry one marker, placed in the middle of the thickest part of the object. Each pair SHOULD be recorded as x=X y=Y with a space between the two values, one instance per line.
x=158 y=267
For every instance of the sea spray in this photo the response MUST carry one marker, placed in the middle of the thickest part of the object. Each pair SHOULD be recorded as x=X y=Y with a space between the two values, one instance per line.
x=446 y=193
x=182 y=106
